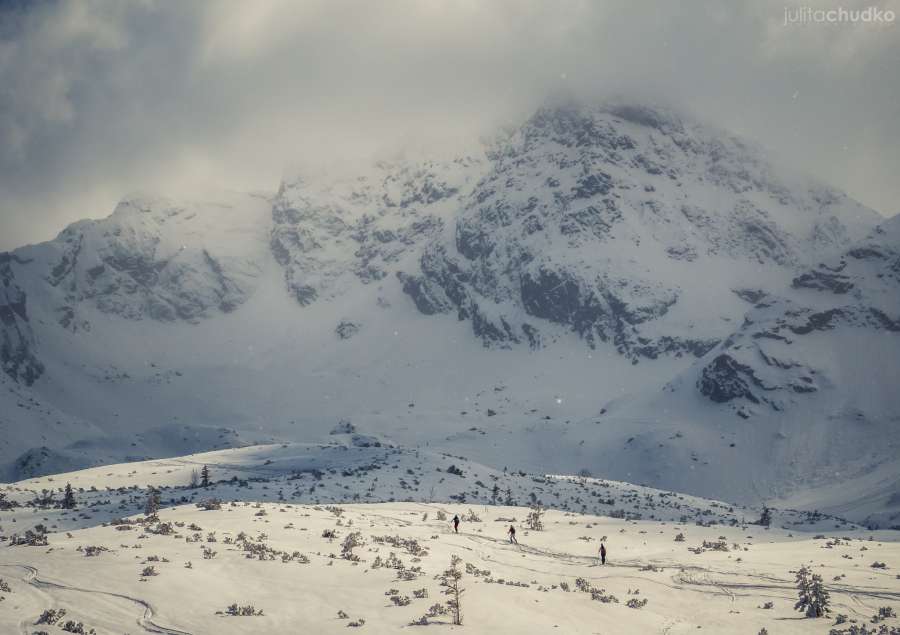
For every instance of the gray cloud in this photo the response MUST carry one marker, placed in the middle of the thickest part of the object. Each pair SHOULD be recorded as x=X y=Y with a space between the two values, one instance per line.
x=98 y=99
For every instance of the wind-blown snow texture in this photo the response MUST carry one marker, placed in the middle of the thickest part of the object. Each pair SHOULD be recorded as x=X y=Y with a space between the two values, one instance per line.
x=612 y=287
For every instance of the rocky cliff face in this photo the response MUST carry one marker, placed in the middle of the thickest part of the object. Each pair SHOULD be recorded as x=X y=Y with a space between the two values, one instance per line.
x=328 y=231
x=16 y=337
x=774 y=360
x=154 y=259
x=605 y=219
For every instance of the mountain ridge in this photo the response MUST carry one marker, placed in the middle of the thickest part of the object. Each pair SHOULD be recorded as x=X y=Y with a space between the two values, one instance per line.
x=587 y=258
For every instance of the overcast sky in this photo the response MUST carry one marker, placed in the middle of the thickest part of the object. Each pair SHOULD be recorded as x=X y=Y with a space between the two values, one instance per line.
x=99 y=99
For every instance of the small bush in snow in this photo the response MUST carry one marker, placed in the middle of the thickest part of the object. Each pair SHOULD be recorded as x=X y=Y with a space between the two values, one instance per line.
x=471 y=517
x=533 y=521
x=72 y=626
x=351 y=541
x=243 y=611
x=36 y=537
x=51 y=616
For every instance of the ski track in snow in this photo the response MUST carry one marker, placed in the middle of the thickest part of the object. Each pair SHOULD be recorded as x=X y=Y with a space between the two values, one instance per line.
x=686 y=580
x=145 y=620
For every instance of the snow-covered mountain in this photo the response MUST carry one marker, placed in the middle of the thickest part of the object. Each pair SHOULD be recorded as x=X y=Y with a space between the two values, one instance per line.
x=598 y=257
x=809 y=380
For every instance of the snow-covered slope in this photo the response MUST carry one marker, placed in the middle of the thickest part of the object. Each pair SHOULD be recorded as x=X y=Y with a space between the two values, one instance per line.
x=805 y=388
x=294 y=532
x=487 y=305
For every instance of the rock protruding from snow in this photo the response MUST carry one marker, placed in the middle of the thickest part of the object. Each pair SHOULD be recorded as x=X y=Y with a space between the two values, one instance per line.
x=343 y=427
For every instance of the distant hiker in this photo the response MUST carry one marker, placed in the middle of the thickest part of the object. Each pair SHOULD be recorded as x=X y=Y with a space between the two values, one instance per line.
x=512 y=535
x=602 y=553
x=456 y=524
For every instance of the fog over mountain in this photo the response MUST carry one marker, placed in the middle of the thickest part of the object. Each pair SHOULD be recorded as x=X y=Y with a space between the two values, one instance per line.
x=609 y=286
x=103 y=99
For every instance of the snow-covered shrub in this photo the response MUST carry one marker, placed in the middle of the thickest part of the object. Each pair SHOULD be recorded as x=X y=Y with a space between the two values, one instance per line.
x=210 y=504
x=36 y=537
x=151 y=506
x=68 y=501
x=533 y=521
x=72 y=626
x=51 y=616
x=351 y=541
x=248 y=610
x=813 y=596
x=451 y=581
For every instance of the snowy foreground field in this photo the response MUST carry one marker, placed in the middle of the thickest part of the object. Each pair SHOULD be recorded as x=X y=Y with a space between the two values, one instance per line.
x=319 y=539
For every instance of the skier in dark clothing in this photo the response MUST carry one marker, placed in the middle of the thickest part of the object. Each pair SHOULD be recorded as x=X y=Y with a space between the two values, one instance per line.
x=512 y=535
x=456 y=524
x=602 y=553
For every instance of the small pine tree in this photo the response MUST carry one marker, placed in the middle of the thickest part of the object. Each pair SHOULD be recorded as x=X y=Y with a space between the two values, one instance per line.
x=509 y=499
x=153 y=502
x=813 y=596
x=495 y=494
x=450 y=580
x=68 y=501
x=534 y=521
x=765 y=519
x=204 y=476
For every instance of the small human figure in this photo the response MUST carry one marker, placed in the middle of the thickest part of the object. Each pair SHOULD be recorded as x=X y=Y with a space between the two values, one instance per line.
x=602 y=553
x=456 y=524
x=512 y=535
